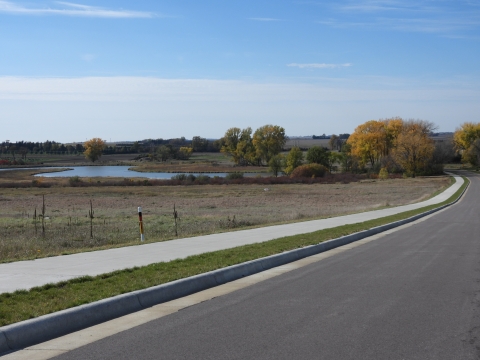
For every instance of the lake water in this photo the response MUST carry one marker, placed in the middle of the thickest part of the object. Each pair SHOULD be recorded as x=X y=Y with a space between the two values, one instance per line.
x=114 y=171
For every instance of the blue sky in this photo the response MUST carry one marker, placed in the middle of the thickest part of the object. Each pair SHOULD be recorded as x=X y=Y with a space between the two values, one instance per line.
x=125 y=70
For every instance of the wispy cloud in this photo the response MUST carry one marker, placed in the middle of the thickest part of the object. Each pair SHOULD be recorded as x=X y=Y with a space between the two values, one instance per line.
x=446 y=18
x=379 y=5
x=88 y=57
x=264 y=19
x=319 y=66
x=451 y=27
x=71 y=9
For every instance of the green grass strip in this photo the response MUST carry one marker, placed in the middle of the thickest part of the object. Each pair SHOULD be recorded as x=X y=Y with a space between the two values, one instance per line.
x=22 y=305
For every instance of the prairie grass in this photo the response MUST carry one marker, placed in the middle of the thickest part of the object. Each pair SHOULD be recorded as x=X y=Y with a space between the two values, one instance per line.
x=202 y=209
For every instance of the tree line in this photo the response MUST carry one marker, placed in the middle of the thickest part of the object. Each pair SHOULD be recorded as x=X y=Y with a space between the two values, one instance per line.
x=383 y=146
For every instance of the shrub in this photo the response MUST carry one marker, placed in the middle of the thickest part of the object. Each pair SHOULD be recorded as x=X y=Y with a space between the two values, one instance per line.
x=234 y=175
x=74 y=181
x=179 y=177
x=383 y=174
x=203 y=178
x=309 y=170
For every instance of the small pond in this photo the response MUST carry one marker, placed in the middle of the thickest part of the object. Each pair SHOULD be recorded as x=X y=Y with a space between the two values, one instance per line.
x=114 y=171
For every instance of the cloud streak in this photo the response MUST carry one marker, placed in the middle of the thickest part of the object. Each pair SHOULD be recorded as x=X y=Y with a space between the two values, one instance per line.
x=72 y=9
x=444 y=18
x=319 y=66
x=264 y=19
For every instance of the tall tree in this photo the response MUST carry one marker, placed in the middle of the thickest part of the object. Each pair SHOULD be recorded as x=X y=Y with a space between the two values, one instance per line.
x=93 y=149
x=275 y=164
x=238 y=144
x=467 y=142
x=293 y=160
x=269 y=141
x=368 y=142
x=414 y=149
x=318 y=155
x=346 y=158
x=199 y=144
x=334 y=142
x=376 y=138
x=164 y=152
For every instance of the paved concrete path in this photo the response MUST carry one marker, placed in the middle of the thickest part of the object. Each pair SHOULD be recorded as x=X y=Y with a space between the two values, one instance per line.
x=28 y=274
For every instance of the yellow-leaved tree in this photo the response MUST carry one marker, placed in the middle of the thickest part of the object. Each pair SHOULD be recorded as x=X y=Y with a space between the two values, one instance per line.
x=413 y=148
x=93 y=149
x=368 y=142
x=268 y=141
x=467 y=142
x=185 y=152
x=375 y=139
x=238 y=144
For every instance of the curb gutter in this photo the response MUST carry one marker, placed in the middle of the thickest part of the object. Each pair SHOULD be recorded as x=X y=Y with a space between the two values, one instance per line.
x=47 y=327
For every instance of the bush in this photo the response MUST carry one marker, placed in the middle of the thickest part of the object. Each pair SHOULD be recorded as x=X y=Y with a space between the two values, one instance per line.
x=203 y=178
x=234 y=175
x=383 y=174
x=74 y=181
x=309 y=170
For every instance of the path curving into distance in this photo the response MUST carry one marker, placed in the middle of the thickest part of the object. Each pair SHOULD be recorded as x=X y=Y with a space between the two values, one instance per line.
x=32 y=273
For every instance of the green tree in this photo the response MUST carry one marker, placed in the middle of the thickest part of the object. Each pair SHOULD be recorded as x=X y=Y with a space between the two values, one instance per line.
x=164 y=152
x=318 y=155
x=276 y=164
x=293 y=159
x=268 y=141
x=199 y=144
x=333 y=158
x=346 y=158
x=238 y=144
x=93 y=149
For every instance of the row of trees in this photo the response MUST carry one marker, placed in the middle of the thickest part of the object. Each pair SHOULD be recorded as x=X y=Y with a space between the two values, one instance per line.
x=245 y=149
x=95 y=148
x=390 y=145
x=397 y=145
x=22 y=148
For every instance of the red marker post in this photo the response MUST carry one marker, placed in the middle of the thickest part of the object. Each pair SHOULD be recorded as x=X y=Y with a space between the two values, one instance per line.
x=142 y=235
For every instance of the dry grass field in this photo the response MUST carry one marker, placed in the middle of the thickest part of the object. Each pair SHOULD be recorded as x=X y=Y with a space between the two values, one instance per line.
x=306 y=143
x=202 y=209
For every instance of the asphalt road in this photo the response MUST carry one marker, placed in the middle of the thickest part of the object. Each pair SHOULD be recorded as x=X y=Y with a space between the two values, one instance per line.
x=414 y=294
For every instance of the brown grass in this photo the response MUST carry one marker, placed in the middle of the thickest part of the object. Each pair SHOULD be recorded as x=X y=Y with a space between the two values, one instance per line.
x=196 y=167
x=202 y=209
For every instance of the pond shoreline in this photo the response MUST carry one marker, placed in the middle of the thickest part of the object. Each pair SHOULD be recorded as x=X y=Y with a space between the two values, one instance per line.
x=115 y=171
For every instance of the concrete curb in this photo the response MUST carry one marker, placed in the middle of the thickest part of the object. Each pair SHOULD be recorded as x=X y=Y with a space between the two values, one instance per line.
x=30 y=332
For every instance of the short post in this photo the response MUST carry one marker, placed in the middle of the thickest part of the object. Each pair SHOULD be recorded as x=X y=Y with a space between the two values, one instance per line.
x=142 y=235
